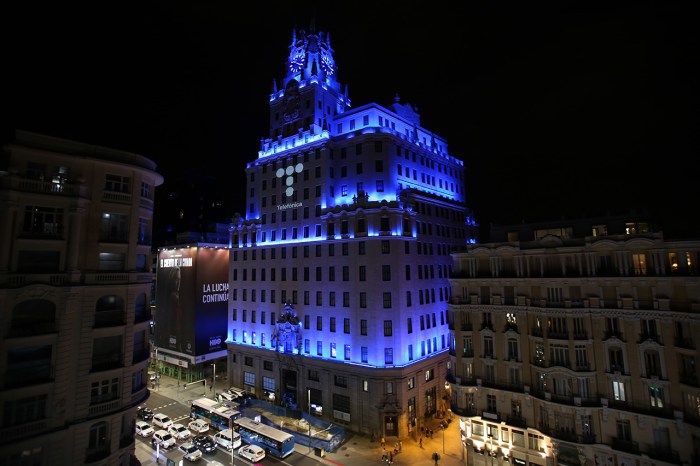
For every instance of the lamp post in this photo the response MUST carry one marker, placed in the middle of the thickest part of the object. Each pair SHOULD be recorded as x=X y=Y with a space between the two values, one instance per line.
x=230 y=426
x=491 y=448
x=213 y=382
x=308 y=403
x=443 y=438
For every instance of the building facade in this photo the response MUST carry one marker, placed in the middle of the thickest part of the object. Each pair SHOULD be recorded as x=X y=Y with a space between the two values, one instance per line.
x=75 y=288
x=577 y=350
x=340 y=264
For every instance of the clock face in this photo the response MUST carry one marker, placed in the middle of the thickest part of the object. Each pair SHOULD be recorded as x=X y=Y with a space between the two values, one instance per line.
x=296 y=60
x=327 y=62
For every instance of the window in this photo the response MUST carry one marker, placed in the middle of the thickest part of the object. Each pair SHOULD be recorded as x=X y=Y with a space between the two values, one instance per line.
x=363 y=273
x=340 y=381
x=386 y=299
x=346 y=352
x=43 y=221
x=386 y=273
x=117 y=184
x=364 y=352
x=619 y=391
x=388 y=356
x=388 y=330
x=363 y=327
x=98 y=439
x=333 y=355
x=319 y=322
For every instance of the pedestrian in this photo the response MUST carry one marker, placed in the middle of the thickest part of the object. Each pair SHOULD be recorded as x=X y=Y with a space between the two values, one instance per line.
x=400 y=445
x=420 y=441
x=383 y=442
x=391 y=457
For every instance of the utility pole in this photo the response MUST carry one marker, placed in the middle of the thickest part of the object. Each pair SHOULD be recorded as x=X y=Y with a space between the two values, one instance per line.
x=308 y=401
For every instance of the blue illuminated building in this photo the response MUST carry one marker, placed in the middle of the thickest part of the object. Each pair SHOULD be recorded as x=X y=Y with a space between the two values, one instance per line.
x=340 y=264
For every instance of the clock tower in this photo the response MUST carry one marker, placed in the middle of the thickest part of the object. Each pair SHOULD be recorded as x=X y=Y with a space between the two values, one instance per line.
x=310 y=95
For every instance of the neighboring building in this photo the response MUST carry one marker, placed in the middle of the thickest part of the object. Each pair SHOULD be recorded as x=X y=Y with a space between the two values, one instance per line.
x=578 y=350
x=191 y=309
x=340 y=265
x=75 y=286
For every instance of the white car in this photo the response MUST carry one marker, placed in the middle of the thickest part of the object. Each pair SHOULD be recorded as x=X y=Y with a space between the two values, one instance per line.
x=198 y=426
x=144 y=429
x=251 y=452
x=162 y=421
x=191 y=452
x=164 y=439
x=179 y=431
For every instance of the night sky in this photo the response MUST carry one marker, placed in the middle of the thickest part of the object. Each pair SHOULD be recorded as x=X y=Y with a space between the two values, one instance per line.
x=560 y=109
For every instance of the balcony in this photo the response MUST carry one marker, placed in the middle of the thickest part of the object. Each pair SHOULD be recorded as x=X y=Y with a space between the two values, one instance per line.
x=103 y=362
x=95 y=454
x=109 y=318
x=628 y=446
x=663 y=454
x=684 y=343
x=517 y=420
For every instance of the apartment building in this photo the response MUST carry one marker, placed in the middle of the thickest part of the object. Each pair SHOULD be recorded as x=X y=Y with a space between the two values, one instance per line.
x=340 y=263
x=75 y=288
x=574 y=349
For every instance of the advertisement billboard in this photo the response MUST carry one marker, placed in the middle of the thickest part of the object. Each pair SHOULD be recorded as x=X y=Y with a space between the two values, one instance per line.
x=192 y=300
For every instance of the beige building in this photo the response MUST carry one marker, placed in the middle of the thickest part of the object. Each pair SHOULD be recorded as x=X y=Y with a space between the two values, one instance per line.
x=75 y=287
x=578 y=350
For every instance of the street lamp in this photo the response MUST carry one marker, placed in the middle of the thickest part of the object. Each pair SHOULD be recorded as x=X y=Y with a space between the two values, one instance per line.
x=491 y=448
x=443 y=438
x=230 y=426
x=308 y=403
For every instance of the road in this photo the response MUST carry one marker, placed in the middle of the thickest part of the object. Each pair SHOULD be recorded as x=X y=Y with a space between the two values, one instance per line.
x=179 y=412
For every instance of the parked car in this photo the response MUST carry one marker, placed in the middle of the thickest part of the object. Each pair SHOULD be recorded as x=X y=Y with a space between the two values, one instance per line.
x=179 y=431
x=251 y=452
x=162 y=421
x=164 y=439
x=198 y=426
x=192 y=453
x=204 y=443
x=144 y=429
x=144 y=413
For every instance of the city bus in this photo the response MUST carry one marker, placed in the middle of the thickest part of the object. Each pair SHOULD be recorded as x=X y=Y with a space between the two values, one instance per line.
x=216 y=415
x=274 y=441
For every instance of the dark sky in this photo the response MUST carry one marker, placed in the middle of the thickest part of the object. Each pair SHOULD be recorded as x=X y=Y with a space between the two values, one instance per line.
x=557 y=108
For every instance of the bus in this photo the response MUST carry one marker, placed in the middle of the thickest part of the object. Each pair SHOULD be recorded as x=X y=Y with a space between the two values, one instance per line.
x=216 y=415
x=274 y=441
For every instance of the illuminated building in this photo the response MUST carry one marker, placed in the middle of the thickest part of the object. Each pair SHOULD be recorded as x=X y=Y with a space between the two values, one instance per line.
x=351 y=216
x=75 y=290
x=576 y=349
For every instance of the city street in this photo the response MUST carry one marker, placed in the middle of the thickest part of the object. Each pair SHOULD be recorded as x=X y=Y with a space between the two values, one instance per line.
x=357 y=450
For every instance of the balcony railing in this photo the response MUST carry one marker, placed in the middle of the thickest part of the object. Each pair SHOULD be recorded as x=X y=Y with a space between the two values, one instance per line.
x=628 y=446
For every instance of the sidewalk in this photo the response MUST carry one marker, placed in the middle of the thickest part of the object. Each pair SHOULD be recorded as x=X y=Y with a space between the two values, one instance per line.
x=358 y=449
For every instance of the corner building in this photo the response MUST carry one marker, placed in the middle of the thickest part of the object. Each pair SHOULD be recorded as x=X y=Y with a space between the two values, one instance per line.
x=339 y=268
x=578 y=350
x=75 y=288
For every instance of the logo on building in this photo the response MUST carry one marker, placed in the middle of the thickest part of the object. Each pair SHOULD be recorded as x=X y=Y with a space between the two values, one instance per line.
x=287 y=174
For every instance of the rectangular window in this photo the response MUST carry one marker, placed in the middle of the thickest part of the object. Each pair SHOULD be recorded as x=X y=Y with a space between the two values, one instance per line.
x=364 y=352
x=319 y=323
x=363 y=327
x=388 y=330
x=388 y=356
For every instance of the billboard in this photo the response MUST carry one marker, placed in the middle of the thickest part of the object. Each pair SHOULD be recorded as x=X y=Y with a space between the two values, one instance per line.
x=192 y=300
